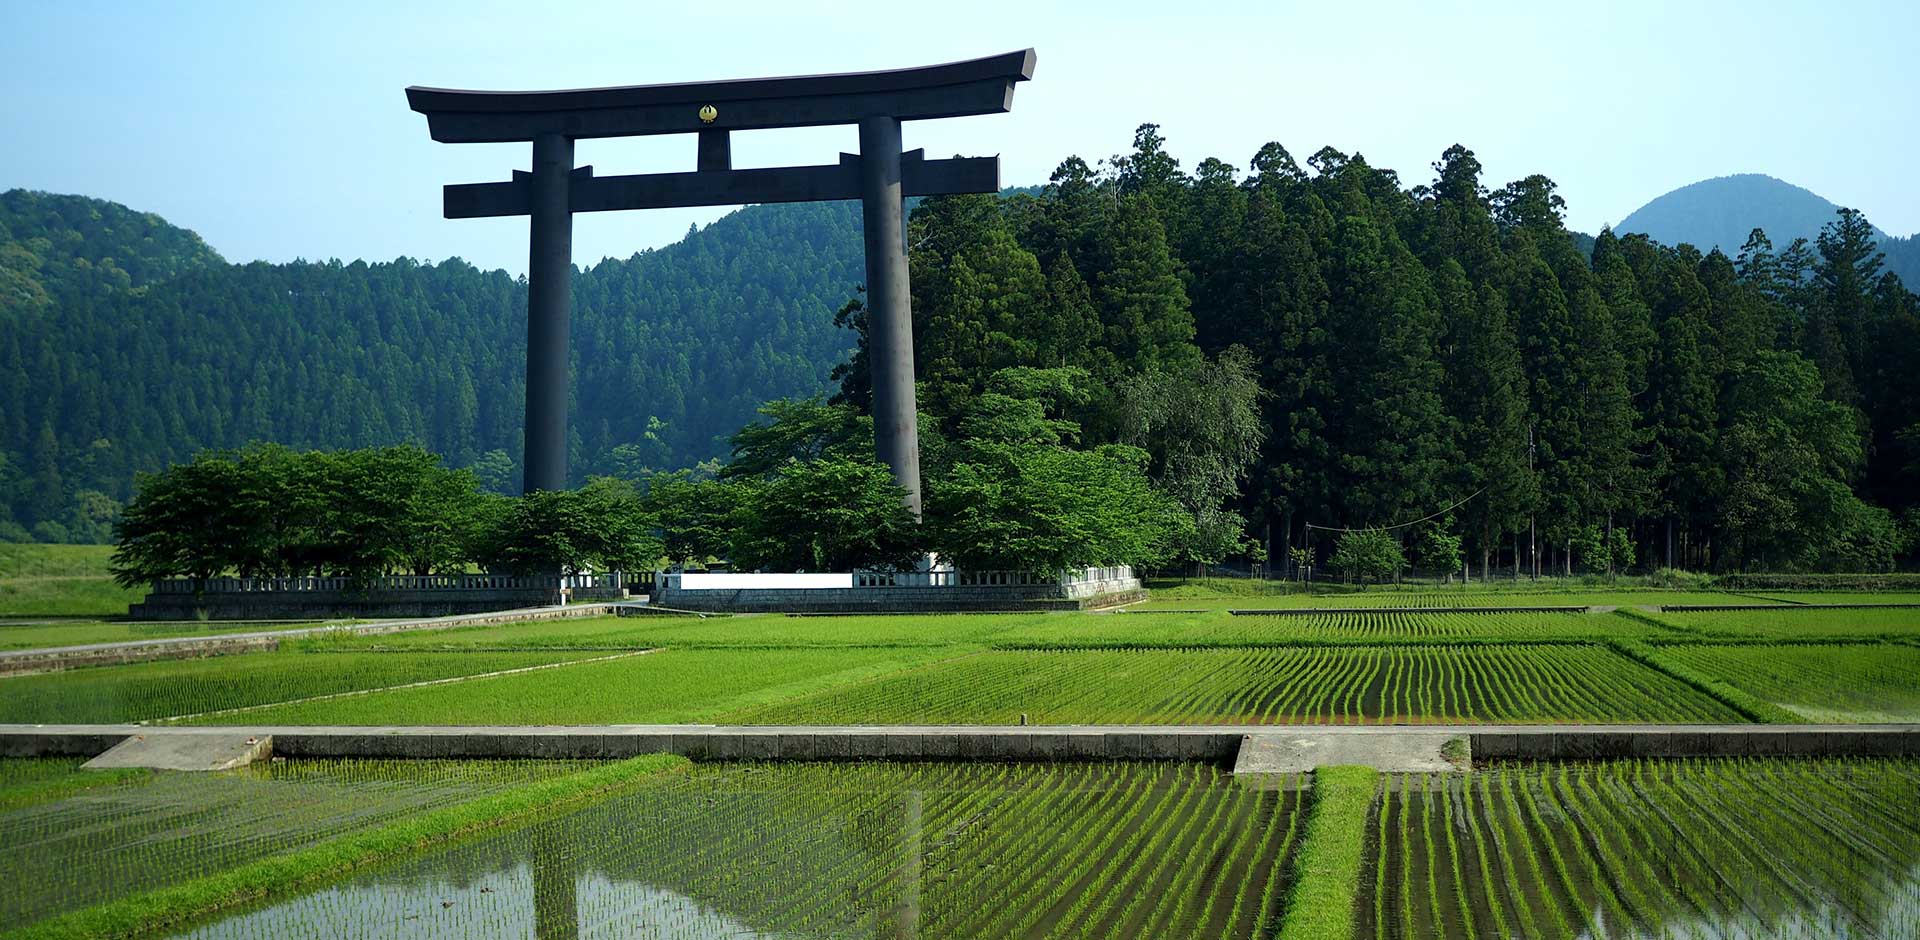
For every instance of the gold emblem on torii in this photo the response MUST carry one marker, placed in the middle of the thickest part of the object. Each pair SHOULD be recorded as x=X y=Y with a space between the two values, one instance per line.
x=708 y=113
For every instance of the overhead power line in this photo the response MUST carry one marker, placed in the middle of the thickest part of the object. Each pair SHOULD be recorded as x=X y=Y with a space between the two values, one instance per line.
x=1400 y=525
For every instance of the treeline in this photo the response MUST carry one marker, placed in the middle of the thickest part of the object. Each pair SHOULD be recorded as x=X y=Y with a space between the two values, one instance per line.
x=801 y=491
x=1444 y=350
x=130 y=345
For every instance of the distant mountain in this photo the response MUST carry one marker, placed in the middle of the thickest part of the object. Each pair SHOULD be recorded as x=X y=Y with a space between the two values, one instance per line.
x=1721 y=212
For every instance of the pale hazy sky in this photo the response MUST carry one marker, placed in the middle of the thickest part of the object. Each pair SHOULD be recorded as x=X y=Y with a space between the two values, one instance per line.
x=279 y=130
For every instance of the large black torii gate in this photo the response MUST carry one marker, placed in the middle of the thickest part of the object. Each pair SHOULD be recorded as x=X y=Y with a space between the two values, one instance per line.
x=880 y=176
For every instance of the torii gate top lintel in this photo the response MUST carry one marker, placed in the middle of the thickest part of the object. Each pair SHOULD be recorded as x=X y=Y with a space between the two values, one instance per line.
x=955 y=89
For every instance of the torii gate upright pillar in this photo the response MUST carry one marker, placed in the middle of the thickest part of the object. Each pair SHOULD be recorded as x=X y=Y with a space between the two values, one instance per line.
x=880 y=176
x=896 y=429
x=549 y=312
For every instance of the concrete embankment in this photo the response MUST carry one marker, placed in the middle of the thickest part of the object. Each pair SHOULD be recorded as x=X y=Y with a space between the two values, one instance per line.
x=1218 y=744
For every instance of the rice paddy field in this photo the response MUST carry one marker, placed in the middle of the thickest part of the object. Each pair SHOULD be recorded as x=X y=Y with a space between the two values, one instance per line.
x=170 y=689
x=1854 y=682
x=1349 y=666
x=164 y=828
x=1332 y=685
x=668 y=687
x=1820 y=849
x=1795 y=623
x=1643 y=849
x=1722 y=848
x=878 y=850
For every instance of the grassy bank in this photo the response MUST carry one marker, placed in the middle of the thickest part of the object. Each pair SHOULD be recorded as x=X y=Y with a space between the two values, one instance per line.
x=1327 y=874
x=60 y=581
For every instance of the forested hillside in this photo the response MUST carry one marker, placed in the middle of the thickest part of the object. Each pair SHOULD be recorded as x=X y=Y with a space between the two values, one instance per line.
x=130 y=345
x=1447 y=350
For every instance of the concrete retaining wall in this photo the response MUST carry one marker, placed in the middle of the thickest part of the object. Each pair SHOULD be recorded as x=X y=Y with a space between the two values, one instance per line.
x=889 y=599
x=1218 y=744
x=334 y=605
x=75 y=657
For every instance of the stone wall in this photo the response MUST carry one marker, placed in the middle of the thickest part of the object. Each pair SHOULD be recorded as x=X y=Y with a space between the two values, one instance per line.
x=333 y=598
x=335 y=605
x=903 y=592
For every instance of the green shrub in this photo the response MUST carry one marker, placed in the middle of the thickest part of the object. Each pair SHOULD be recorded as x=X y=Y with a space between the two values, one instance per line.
x=1368 y=555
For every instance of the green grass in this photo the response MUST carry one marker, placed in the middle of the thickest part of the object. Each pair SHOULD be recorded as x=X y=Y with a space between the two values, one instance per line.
x=1854 y=682
x=33 y=560
x=149 y=691
x=60 y=581
x=1326 y=884
x=670 y=687
x=62 y=596
x=1330 y=685
x=135 y=912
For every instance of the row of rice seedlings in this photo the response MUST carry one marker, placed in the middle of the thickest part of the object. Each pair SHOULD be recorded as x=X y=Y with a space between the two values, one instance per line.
x=1481 y=597
x=148 y=691
x=1030 y=851
x=1502 y=683
x=25 y=771
x=1855 y=682
x=104 y=843
x=1698 y=848
x=1356 y=626
x=1788 y=622
x=25 y=781
x=665 y=687
x=1837 y=597
x=703 y=633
